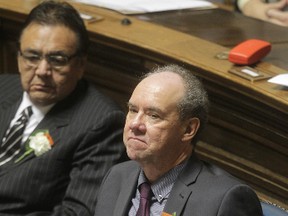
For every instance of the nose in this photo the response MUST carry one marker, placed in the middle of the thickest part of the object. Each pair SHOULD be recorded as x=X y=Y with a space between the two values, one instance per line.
x=137 y=124
x=43 y=68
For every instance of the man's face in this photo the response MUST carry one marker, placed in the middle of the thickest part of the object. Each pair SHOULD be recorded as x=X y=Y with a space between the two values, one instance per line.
x=153 y=131
x=48 y=80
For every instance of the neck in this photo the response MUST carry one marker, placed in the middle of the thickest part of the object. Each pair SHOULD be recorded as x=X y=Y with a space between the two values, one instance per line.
x=154 y=170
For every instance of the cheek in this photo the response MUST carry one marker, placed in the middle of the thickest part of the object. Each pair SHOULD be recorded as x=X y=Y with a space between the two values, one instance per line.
x=154 y=136
x=64 y=82
x=158 y=137
x=26 y=78
x=68 y=78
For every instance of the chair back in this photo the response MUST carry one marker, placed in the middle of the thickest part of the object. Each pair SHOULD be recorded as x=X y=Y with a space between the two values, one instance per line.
x=272 y=210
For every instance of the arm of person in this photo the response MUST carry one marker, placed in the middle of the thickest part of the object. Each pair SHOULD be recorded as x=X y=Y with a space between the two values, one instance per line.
x=98 y=150
x=270 y=12
x=240 y=200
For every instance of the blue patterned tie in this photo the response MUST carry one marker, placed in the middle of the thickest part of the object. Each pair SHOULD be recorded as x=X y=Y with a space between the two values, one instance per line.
x=11 y=143
x=145 y=196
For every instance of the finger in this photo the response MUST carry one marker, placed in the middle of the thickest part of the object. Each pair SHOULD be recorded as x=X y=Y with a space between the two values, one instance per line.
x=278 y=5
x=278 y=15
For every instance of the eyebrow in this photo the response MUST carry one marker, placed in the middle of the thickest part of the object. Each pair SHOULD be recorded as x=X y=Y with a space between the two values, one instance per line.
x=152 y=108
x=58 y=52
x=31 y=51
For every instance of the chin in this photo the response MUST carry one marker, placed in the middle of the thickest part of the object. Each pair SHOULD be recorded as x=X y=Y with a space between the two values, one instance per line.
x=42 y=100
x=132 y=155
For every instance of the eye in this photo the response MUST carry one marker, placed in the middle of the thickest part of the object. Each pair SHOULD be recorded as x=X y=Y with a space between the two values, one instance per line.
x=132 y=110
x=154 y=115
x=32 y=58
x=58 y=60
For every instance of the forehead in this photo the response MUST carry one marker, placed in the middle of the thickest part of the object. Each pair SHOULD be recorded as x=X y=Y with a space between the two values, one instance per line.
x=161 y=90
x=48 y=37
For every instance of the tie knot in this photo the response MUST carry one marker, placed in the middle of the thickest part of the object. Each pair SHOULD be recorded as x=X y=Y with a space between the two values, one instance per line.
x=145 y=190
x=26 y=113
x=24 y=116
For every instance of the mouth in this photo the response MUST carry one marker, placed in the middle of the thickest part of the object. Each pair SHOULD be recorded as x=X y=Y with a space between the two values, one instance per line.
x=135 y=139
x=41 y=87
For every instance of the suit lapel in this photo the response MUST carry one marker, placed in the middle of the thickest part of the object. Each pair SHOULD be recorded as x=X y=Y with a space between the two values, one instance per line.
x=126 y=194
x=182 y=188
x=53 y=120
x=7 y=112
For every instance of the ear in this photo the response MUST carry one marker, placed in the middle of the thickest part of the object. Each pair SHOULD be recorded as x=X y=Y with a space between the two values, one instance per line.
x=191 y=127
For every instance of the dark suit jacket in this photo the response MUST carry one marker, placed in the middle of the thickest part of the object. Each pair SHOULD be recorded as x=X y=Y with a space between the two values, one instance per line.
x=200 y=190
x=87 y=131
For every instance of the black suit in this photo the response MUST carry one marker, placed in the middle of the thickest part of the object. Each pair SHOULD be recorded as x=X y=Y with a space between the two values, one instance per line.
x=87 y=131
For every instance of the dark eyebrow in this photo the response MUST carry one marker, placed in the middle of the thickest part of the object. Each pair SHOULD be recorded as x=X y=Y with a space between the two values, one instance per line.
x=32 y=51
x=60 y=52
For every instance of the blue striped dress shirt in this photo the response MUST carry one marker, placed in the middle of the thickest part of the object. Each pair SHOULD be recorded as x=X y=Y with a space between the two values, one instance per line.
x=161 y=190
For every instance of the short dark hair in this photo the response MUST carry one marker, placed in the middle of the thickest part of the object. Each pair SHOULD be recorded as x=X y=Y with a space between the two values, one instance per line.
x=195 y=101
x=60 y=13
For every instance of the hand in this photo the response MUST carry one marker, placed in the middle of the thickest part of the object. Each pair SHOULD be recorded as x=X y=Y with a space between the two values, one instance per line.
x=270 y=12
x=279 y=17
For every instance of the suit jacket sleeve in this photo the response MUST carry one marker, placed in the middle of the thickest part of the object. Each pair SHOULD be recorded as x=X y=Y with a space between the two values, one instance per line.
x=240 y=200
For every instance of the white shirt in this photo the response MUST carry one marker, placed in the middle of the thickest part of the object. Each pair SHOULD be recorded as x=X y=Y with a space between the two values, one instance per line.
x=38 y=114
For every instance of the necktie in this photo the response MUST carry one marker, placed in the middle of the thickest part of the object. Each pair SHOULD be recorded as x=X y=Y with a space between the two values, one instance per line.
x=11 y=143
x=145 y=196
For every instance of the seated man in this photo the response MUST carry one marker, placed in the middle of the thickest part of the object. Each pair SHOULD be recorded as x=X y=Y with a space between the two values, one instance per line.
x=167 y=111
x=59 y=135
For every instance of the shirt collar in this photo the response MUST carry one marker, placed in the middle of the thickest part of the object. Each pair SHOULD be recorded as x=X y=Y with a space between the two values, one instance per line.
x=162 y=187
x=37 y=110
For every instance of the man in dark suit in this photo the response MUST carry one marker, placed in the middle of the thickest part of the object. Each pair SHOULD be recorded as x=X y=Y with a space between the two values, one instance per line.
x=166 y=113
x=72 y=135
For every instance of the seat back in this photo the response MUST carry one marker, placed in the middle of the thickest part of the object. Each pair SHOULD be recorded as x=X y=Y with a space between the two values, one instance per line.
x=272 y=210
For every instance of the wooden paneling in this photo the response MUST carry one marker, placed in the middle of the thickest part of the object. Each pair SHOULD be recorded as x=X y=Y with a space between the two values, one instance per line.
x=9 y=37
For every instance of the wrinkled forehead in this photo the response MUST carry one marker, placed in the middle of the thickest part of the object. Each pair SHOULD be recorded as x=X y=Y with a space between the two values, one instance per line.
x=163 y=88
